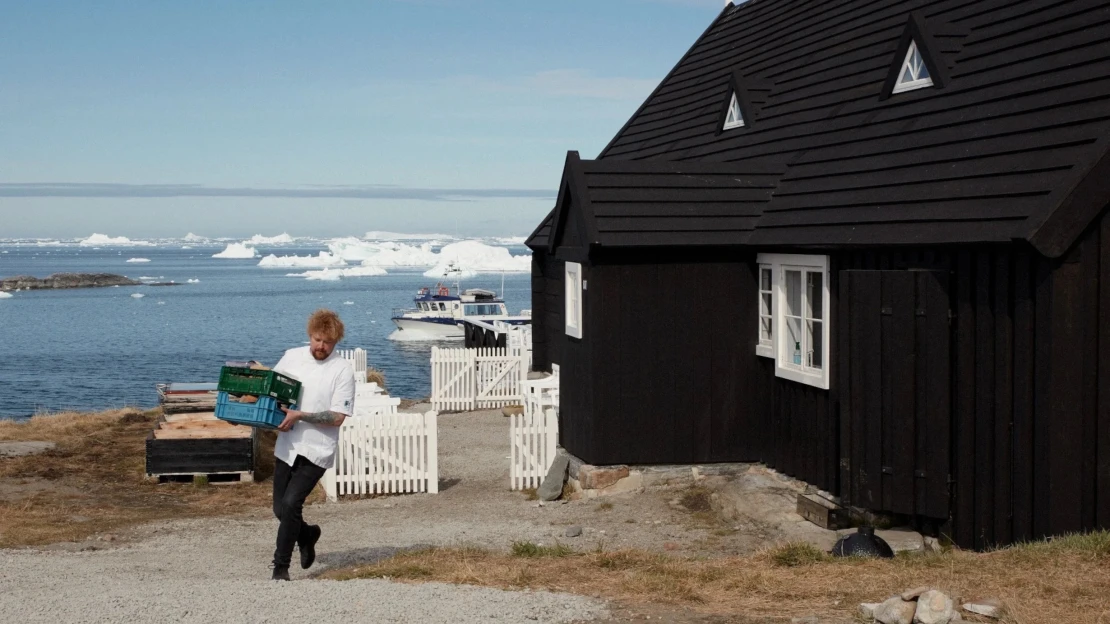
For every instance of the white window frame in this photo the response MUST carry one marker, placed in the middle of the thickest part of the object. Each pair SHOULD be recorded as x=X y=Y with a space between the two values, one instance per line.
x=572 y=313
x=765 y=346
x=916 y=83
x=783 y=353
x=734 y=111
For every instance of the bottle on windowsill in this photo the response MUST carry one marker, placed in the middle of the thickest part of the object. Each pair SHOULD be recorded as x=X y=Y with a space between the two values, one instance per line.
x=798 y=353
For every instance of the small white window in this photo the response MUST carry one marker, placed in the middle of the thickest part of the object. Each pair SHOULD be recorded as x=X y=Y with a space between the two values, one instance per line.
x=766 y=306
x=799 y=311
x=573 y=281
x=914 y=74
x=734 y=119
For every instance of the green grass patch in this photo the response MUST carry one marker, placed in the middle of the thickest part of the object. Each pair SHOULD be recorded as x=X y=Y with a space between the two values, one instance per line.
x=532 y=550
x=797 y=554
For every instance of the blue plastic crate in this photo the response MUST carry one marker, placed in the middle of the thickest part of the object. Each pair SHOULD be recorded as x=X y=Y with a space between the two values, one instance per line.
x=266 y=413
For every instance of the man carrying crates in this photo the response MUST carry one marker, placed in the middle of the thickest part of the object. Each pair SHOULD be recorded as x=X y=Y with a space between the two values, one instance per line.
x=309 y=435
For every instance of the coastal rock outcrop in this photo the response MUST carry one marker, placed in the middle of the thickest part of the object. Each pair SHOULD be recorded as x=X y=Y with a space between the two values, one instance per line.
x=66 y=280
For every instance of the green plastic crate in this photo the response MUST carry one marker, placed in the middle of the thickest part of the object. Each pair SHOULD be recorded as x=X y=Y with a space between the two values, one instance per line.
x=236 y=380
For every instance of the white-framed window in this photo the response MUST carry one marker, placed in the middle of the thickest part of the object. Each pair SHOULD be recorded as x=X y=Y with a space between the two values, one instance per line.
x=734 y=119
x=914 y=74
x=799 y=315
x=766 y=345
x=572 y=278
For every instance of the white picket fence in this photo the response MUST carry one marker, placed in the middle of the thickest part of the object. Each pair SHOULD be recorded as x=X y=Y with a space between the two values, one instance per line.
x=532 y=440
x=385 y=453
x=357 y=359
x=467 y=379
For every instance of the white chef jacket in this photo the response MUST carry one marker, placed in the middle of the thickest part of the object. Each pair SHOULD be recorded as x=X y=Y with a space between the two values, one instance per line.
x=325 y=385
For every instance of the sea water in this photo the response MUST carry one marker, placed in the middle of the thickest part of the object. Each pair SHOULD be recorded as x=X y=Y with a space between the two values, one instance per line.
x=100 y=348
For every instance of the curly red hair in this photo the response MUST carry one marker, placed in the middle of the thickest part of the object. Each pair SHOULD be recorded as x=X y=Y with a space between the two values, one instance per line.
x=327 y=323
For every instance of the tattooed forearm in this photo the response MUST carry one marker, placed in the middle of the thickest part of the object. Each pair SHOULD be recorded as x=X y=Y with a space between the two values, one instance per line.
x=322 y=418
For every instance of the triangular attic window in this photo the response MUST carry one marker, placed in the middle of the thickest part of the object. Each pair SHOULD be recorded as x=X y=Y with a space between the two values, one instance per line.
x=734 y=119
x=914 y=74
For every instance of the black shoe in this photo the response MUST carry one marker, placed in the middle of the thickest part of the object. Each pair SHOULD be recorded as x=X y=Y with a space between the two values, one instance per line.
x=308 y=548
x=281 y=573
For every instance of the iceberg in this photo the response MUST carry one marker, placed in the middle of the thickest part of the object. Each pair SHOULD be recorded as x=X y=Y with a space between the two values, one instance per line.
x=397 y=236
x=193 y=238
x=331 y=275
x=477 y=257
x=138 y=259
x=511 y=240
x=192 y=281
x=259 y=239
x=119 y=241
x=237 y=250
x=5 y=295
x=325 y=259
x=451 y=271
x=137 y=295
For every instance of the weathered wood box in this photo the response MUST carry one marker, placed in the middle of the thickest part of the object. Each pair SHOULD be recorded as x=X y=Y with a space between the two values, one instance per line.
x=199 y=444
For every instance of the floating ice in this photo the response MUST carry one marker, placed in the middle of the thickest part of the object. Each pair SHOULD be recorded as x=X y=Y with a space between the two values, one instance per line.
x=186 y=247
x=138 y=259
x=450 y=271
x=328 y=274
x=471 y=257
x=193 y=281
x=397 y=236
x=50 y=243
x=161 y=303
x=137 y=295
x=511 y=240
x=237 y=250
x=193 y=238
x=150 y=277
x=5 y=295
x=280 y=239
x=119 y=241
x=348 y=303
x=384 y=254
x=325 y=259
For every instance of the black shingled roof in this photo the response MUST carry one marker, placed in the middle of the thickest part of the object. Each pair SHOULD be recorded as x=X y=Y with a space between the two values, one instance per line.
x=1012 y=145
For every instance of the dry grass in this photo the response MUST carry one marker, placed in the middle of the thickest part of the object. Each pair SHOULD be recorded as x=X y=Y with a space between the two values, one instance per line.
x=1066 y=580
x=374 y=375
x=94 y=481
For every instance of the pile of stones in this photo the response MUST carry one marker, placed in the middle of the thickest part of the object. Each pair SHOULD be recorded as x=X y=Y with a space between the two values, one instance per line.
x=925 y=605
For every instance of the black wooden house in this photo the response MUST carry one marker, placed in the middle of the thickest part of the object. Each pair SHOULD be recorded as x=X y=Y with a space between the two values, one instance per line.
x=864 y=242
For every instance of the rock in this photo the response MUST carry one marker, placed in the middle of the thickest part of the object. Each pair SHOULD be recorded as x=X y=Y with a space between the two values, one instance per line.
x=934 y=607
x=597 y=477
x=933 y=544
x=990 y=607
x=20 y=449
x=867 y=610
x=552 y=486
x=574 y=531
x=914 y=594
x=895 y=611
x=66 y=280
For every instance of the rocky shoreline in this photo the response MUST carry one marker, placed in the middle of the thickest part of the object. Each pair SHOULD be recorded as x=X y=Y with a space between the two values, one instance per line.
x=72 y=280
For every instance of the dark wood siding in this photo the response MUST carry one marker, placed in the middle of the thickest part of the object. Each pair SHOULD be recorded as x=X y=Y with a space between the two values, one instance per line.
x=1028 y=448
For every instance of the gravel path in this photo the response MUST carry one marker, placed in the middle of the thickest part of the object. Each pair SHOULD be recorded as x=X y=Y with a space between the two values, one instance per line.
x=216 y=569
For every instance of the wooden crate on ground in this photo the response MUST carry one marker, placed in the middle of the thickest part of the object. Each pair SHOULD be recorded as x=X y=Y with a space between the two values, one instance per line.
x=185 y=445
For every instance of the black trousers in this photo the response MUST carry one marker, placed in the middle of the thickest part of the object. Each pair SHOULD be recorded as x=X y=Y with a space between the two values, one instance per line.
x=292 y=484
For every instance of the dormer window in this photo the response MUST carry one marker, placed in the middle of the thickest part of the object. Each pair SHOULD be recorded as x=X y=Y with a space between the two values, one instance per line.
x=914 y=74
x=734 y=119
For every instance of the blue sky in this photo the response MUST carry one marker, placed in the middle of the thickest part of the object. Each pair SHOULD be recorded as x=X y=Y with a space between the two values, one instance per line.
x=320 y=118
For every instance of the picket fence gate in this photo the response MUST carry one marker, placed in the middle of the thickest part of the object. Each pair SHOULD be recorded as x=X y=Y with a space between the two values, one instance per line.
x=357 y=359
x=532 y=441
x=385 y=453
x=467 y=379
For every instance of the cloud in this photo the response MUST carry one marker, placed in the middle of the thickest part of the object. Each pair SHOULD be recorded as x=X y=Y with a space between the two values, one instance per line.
x=369 y=191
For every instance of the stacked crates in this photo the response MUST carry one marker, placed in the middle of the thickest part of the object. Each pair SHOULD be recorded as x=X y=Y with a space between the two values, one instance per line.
x=273 y=389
